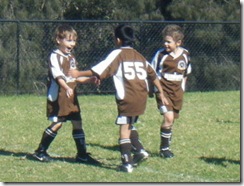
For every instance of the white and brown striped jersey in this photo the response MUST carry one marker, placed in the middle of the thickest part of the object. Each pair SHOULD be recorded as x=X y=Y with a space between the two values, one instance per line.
x=130 y=71
x=58 y=104
x=171 y=71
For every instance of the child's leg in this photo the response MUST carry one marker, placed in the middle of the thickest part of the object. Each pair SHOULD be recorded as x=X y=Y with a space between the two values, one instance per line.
x=80 y=142
x=48 y=136
x=79 y=138
x=166 y=134
x=139 y=153
x=135 y=142
x=125 y=143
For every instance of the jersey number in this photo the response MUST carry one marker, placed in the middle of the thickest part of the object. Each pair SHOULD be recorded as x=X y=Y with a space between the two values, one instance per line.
x=131 y=70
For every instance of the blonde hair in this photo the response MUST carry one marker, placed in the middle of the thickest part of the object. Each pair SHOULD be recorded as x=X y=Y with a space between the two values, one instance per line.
x=175 y=31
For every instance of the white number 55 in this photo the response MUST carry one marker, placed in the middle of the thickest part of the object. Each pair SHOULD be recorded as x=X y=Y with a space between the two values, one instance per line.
x=133 y=69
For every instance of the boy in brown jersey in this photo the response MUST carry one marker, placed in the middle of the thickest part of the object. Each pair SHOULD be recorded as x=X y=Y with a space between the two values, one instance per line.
x=130 y=71
x=172 y=64
x=62 y=102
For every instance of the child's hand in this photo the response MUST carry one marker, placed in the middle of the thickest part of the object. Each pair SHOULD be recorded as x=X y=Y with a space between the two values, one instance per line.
x=69 y=92
x=95 y=80
x=164 y=99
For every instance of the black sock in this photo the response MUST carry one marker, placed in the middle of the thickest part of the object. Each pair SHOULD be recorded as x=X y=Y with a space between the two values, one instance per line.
x=125 y=150
x=135 y=142
x=47 y=138
x=165 y=139
x=80 y=142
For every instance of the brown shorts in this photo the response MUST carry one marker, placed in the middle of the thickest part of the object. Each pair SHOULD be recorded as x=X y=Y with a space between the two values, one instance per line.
x=166 y=108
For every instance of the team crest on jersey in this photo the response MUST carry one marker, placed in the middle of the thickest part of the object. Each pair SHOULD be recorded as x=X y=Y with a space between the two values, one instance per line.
x=181 y=65
x=72 y=63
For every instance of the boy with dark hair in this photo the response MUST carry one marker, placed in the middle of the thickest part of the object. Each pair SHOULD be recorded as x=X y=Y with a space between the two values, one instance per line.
x=130 y=71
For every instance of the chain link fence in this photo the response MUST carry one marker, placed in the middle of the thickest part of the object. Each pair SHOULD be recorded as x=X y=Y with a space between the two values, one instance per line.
x=25 y=46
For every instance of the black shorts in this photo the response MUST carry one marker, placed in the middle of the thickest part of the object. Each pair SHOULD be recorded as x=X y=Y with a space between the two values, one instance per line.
x=75 y=116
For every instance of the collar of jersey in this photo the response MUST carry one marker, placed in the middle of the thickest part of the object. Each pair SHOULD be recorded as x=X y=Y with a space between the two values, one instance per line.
x=57 y=51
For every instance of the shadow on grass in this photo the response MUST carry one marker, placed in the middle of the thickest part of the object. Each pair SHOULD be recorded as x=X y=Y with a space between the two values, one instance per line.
x=113 y=148
x=219 y=161
x=29 y=156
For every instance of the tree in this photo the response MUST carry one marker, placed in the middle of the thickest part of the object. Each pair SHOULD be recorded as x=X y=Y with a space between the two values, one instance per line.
x=198 y=10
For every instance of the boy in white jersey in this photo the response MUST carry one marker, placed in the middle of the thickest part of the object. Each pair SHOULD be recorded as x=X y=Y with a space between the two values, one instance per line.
x=172 y=64
x=62 y=102
x=130 y=71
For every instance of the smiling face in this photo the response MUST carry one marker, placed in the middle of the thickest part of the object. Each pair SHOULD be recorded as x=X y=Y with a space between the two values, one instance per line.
x=66 y=44
x=65 y=38
x=170 y=44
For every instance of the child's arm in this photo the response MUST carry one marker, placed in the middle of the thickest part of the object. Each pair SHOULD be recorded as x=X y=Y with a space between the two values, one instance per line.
x=92 y=79
x=156 y=82
x=77 y=73
x=62 y=83
x=183 y=84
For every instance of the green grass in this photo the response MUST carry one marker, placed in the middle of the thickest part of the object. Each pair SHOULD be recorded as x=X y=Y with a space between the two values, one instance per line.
x=206 y=141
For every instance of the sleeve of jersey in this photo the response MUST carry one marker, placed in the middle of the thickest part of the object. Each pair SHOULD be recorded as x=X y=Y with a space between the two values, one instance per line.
x=151 y=72
x=189 y=67
x=104 y=68
x=55 y=67
x=154 y=61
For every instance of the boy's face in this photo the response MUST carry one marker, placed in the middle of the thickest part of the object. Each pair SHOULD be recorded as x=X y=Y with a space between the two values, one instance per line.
x=67 y=44
x=170 y=44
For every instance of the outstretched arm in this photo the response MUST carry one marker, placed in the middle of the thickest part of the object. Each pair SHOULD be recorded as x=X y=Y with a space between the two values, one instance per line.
x=77 y=73
x=92 y=79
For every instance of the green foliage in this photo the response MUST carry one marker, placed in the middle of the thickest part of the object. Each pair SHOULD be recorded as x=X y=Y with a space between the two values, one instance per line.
x=24 y=46
x=198 y=10
x=206 y=142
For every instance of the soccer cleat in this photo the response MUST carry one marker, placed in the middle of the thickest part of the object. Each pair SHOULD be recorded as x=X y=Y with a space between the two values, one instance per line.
x=139 y=157
x=42 y=156
x=166 y=154
x=126 y=168
x=86 y=158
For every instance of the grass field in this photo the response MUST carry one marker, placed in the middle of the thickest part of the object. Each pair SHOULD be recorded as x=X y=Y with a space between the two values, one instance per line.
x=206 y=141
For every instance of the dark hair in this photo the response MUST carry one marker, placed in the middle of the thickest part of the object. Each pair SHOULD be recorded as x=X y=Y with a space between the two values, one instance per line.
x=125 y=33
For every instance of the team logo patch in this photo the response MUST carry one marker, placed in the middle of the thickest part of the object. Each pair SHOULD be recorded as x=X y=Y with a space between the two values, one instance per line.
x=181 y=65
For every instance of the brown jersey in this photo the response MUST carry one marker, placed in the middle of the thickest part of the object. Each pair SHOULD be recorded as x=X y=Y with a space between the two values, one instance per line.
x=58 y=104
x=130 y=71
x=171 y=72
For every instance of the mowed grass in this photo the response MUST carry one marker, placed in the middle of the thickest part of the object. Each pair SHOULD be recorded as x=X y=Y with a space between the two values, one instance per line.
x=206 y=141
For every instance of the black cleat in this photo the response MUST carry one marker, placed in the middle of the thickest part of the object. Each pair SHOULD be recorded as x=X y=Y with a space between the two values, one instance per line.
x=125 y=168
x=42 y=156
x=139 y=157
x=86 y=158
x=166 y=154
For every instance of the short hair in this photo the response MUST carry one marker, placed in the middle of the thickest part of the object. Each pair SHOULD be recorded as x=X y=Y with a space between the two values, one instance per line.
x=125 y=33
x=175 y=31
x=65 y=31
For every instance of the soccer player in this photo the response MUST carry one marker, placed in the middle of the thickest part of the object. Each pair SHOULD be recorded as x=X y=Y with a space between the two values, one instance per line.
x=130 y=71
x=62 y=102
x=172 y=64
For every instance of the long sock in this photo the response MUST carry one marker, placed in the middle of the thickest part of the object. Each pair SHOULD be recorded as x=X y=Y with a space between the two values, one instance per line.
x=80 y=141
x=165 y=139
x=47 y=138
x=125 y=150
x=135 y=142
